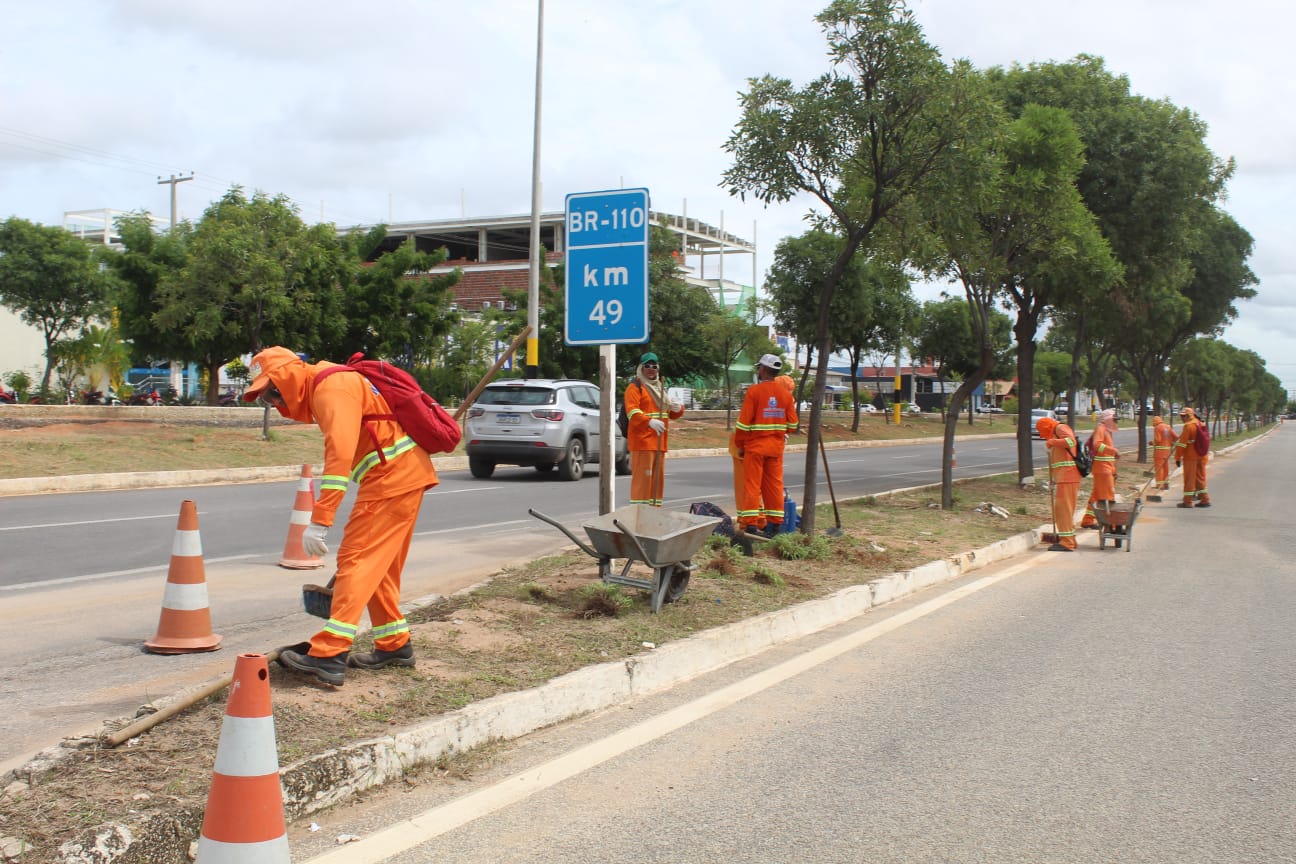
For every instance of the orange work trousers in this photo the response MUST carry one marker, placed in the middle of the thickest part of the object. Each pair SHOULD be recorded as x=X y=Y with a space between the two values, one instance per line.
x=1064 y=504
x=647 y=477
x=1194 y=482
x=1161 y=463
x=369 y=564
x=762 y=489
x=1104 y=489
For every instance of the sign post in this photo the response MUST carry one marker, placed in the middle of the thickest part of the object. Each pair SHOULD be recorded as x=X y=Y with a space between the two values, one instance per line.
x=606 y=296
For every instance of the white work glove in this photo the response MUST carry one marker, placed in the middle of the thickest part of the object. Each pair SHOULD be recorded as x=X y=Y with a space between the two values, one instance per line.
x=676 y=407
x=313 y=540
x=656 y=425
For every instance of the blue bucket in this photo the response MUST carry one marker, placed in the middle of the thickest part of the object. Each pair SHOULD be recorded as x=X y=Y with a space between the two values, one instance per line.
x=790 y=519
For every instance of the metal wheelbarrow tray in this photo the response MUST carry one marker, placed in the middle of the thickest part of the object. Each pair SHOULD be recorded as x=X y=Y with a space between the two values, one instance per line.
x=1116 y=520
x=661 y=539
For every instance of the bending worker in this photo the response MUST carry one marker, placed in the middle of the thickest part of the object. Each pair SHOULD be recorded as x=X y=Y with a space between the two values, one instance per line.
x=649 y=413
x=1060 y=443
x=392 y=473
x=1194 y=465
x=1105 y=455
x=768 y=415
x=1163 y=440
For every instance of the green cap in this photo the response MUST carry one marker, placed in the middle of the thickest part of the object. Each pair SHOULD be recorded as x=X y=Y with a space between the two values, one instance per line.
x=650 y=357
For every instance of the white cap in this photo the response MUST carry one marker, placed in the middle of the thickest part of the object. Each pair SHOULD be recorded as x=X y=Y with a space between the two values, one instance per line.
x=770 y=361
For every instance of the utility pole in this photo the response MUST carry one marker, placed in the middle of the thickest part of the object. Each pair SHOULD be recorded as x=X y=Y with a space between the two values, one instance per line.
x=172 y=183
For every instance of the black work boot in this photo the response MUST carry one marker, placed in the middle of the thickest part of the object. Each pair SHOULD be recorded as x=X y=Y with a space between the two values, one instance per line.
x=378 y=658
x=330 y=670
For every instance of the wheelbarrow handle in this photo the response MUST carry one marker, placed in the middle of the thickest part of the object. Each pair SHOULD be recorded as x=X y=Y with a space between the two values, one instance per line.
x=643 y=555
x=543 y=518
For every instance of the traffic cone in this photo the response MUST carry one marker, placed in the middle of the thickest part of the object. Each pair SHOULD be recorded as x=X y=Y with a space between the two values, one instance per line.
x=953 y=458
x=185 y=624
x=294 y=556
x=244 y=821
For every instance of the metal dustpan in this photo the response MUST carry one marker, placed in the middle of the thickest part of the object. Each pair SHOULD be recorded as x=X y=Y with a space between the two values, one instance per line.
x=318 y=599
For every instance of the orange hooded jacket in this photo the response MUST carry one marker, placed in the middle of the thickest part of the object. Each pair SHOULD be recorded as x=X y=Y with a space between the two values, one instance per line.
x=351 y=444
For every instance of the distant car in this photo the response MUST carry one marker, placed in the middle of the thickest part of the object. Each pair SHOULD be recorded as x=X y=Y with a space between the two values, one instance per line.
x=989 y=409
x=539 y=423
x=868 y=408
x=1036 y=414
x=913 y=408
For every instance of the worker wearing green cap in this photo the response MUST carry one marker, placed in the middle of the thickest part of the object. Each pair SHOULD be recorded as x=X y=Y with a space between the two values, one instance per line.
x=649 y=412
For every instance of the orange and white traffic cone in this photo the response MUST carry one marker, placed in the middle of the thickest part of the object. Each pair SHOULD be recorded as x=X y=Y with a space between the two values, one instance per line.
x=953 y=458
x=294 y=556
x=185 y=624
x=244 y=821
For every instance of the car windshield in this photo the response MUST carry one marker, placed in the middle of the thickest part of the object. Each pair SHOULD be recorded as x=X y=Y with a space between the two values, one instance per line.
x=517 y=396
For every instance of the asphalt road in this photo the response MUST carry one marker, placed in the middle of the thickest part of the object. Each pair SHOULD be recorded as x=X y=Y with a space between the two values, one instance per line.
x=84 y=573
x=1101 y=706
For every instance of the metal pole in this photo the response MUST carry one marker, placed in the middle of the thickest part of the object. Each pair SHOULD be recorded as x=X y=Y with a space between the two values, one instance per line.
x=533 y=284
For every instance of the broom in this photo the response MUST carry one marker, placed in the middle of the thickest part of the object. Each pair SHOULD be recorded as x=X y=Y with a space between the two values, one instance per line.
x=1051 y=537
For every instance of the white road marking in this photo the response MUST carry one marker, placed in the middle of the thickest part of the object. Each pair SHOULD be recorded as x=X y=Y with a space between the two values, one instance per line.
x=86 y=522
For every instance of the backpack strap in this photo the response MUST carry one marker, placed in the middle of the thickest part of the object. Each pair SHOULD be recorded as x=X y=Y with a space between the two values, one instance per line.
x=366 y=420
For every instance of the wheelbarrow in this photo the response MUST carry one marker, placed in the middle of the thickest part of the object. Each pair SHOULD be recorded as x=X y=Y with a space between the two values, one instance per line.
x=1116 y=520
x=663 y=540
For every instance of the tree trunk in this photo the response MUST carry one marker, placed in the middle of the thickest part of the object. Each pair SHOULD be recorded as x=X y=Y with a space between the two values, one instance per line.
x=1025 y=329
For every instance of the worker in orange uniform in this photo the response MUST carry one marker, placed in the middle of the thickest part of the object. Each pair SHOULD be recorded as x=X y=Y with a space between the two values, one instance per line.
x=649 y=413
x=1060 y=443
x=391 y=473
x=789 y=384
x=1194 y=465
x=768 y=415
x=1163 y=440
x=1105 y=455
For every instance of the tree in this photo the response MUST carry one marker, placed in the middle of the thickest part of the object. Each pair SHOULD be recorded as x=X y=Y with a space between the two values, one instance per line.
x=1017 y=231
x=945 y=335
x=864 y=140
x=254 y=275
x=51 y=280
x=393 y=308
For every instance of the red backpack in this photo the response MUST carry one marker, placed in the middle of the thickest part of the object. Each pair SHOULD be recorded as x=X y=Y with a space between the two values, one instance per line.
x=1201 y=443
x=421 y=416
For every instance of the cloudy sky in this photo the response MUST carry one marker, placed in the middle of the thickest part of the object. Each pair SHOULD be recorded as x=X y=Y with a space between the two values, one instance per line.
x=422 y=109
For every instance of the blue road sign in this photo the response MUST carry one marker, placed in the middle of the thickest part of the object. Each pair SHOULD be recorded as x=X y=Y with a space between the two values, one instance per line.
x=607 y=268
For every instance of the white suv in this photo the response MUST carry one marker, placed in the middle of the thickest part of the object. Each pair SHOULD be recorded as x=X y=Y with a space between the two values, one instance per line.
x=539 y=423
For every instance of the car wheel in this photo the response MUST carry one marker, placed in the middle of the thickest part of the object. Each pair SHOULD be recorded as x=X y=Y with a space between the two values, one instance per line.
x=572 y=467
x=481 y=468
x=544 y=467
x=623 y=466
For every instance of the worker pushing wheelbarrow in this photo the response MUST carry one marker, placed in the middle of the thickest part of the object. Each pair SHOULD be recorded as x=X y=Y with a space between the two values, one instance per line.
x=664 y=541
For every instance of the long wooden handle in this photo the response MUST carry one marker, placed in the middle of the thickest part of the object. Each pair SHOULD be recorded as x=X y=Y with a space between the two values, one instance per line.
x=490 y=373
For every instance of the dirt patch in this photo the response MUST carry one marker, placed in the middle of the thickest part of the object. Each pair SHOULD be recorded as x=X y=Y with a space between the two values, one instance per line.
x=522 y=628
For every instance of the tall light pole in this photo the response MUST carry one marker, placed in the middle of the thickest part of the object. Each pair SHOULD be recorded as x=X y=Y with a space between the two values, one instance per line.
x=533 y=283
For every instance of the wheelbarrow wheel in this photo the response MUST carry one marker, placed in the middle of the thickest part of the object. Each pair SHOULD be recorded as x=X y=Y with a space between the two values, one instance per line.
x=679 y=580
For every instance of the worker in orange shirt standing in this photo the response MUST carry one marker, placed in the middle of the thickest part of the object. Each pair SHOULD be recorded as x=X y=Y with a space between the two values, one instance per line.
x=1163 y=440
x=1194 y=465
x=649 y=413
x=391 y=473
x=768 y=415
x=1105 y=455
x=1060 y=444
